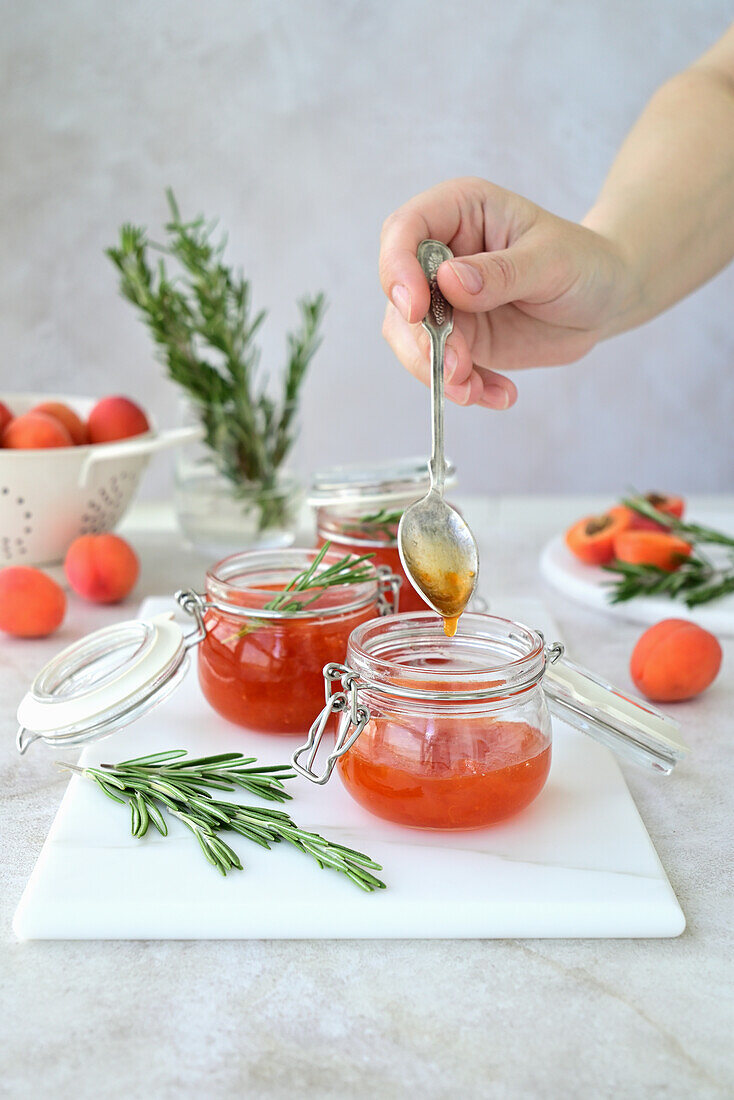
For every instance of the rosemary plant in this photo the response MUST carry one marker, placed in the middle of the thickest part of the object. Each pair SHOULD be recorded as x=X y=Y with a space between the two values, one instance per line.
x=173 y=782
x=697 y=580
x=202 y=323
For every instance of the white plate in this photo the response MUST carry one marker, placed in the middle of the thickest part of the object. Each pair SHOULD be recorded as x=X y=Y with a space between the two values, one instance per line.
x=588 y=585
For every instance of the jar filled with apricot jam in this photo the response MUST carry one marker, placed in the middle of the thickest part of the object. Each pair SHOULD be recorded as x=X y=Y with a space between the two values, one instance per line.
x=263 y=647
x=358 y=509
x=439 y=733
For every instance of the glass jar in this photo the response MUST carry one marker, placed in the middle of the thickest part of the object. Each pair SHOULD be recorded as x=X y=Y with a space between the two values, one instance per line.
x=358 y=509
x=440 y=733
x=218 y=515
x=262 y=668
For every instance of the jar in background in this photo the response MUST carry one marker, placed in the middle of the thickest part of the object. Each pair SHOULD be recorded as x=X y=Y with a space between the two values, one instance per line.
x=358 y=509
x=262 y=668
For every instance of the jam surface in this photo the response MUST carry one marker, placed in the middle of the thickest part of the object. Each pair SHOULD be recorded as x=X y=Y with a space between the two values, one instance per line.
x=446 y=772
x=267 y=674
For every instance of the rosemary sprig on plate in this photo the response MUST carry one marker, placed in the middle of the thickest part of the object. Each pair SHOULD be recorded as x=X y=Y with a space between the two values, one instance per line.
x=179 y=785
x=697 y=580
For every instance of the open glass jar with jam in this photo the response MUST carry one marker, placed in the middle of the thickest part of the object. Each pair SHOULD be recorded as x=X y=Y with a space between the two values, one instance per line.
x=263 y=651
x=358 y=509
x=262 y=647
x=456 y=733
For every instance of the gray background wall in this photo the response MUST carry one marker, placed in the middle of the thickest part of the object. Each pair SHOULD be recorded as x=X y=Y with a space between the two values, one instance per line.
x=302 y=124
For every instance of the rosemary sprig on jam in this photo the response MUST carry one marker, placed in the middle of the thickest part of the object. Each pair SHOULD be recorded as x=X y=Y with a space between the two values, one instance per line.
x=351 y=569
x=697 y=580
x=174 y=783
x=383 y=523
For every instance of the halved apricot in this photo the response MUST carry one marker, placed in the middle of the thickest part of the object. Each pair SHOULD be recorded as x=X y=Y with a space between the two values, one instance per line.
x=651 y=548
x=592 y=538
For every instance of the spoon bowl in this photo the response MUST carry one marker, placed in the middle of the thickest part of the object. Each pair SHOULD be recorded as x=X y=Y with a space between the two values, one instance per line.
x=439 y=555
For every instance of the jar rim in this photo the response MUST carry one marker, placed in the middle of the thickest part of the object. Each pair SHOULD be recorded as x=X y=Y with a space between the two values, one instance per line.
x=363 y=483
x=488 y=657
x=279 y=566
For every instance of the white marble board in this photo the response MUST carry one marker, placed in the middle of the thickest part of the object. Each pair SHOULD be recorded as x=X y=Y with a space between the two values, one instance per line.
x=577 y=863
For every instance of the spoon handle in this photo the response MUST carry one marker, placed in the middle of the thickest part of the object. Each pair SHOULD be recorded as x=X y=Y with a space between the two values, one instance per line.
x=438 y=322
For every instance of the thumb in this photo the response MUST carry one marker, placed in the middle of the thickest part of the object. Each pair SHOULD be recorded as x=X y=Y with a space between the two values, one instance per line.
x=475 y=284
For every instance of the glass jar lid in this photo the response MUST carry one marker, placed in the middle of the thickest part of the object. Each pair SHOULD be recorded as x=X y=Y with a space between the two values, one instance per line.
x=103 y=681
x=628 y=726
x=396 y=479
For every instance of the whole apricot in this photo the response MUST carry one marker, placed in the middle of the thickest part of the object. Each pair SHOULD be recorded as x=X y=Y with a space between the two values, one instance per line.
x=31 y=603
x=675 y=659
x=35 y=430
x=116 y=418
x=74 y=425
x=5 y=417
x=101 y=568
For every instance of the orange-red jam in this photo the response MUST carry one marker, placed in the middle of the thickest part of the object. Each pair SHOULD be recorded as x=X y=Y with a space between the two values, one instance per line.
x=265 y=670
x=458 y=731
x=446 y=773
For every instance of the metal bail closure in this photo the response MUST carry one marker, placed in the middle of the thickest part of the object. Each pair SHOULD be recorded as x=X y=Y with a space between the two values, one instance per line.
x=388 y=590
x=628 y=726
x=104 y=681
x=354 y=719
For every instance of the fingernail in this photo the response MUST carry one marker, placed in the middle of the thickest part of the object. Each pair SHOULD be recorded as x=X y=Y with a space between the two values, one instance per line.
x=461 y=393
x=401 y=300
x=498 y=396
x=468 y=276
x=451 y=362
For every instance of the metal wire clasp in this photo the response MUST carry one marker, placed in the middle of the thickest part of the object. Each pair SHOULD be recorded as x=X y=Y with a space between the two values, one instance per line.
x=554 y=652
x=194 y=604
x=388 y=591
x=350 y=726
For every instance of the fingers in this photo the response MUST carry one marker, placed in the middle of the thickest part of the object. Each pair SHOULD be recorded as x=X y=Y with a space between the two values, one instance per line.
x=466 y=384
x=522 y=273
x=435 y=214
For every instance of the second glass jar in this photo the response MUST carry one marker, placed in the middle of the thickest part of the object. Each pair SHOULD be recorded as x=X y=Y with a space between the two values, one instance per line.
x=262 y=668
x=358 y=509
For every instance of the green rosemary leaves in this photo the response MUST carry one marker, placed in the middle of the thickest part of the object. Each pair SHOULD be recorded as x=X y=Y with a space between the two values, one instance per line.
x=173 y=783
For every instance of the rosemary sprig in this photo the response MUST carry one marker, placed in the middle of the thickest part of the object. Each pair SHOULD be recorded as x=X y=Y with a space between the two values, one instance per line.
x=383 y=523
x=201 y=322
x=351 y=569
x=696 y=581
x=690 y=532
x=180 y=785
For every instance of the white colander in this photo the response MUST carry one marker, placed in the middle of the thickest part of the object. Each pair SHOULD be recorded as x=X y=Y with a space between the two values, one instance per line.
x=48 y=497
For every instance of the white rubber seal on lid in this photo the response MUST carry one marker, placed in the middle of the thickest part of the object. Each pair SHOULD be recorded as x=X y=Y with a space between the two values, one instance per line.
x=101 y=675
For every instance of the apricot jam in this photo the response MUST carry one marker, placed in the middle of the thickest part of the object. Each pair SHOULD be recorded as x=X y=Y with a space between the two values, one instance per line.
x=455 y=775
x=263 y=669
x=451 y=733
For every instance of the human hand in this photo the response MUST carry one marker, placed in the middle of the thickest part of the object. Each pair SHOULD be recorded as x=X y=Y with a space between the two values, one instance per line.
x=528 y=288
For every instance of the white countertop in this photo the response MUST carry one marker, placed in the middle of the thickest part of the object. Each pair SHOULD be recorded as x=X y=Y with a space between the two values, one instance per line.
x=391 y=1018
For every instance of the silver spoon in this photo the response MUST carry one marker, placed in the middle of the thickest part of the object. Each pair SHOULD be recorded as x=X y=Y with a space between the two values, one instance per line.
x=437 y=549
